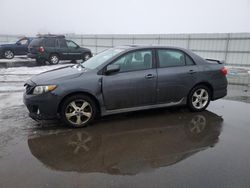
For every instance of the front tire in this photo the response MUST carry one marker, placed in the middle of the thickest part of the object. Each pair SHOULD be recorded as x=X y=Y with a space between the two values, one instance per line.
x=199 y=98
x=54 y=59
x=8 y=54
x=86 y=56
x=78 y=111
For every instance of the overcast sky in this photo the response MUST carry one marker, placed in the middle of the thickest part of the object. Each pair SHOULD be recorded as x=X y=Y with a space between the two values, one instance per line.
x=123 y=16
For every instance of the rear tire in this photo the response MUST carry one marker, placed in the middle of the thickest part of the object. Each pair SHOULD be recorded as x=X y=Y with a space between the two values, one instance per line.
x=8 y=54
x=78 y=110
x=199 y=98
x=54 y=59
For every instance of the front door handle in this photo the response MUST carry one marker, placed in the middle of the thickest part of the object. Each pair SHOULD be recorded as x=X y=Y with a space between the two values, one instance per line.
x=149 y=76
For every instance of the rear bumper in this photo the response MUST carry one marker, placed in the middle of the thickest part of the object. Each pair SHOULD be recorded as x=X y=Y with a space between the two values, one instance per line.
x=219 y=94
x=1 y=53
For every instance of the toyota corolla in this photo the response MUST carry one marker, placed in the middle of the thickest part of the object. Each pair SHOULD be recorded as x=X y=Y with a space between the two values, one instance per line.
x=124 y=79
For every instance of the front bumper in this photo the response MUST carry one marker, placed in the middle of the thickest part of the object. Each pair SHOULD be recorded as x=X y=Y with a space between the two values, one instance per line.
x=42 y=107
x=1 y=53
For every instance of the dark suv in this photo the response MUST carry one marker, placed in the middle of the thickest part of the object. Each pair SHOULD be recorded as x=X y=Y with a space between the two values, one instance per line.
x=53 y=48
x=8 y=51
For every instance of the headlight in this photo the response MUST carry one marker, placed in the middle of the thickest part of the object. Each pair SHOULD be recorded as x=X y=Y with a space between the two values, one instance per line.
x=43 y=89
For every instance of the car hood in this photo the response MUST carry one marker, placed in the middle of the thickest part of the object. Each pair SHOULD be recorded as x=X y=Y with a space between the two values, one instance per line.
x=6 y=45
x=57 y=75
x=85 y=49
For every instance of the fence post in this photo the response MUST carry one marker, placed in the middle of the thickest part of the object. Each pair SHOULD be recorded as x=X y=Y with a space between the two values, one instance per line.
x=95 y=44
x=227 y=46
x=188 y=42
x=81 y=40
x=159 y=39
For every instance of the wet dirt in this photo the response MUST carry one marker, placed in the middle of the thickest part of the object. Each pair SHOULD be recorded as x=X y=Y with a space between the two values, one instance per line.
x=155 y=148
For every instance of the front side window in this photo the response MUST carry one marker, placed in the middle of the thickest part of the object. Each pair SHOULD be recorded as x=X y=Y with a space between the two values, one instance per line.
x=71 y=44
x=133 y=61
x=23 y=41
x=171 y=58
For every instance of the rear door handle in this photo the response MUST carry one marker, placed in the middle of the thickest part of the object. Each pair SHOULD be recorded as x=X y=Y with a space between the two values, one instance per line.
x=149 y=76
x=191 y=71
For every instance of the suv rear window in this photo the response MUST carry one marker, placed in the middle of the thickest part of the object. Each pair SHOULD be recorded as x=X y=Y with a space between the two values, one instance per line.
x=36 y=42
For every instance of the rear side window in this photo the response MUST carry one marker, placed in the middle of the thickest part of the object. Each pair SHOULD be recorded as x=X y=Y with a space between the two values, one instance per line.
x=36 y=42
x=50 y=42
x=171 y=58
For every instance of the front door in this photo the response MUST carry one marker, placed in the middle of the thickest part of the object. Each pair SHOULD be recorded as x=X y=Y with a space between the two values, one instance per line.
x=22 y=47
x=134 y=85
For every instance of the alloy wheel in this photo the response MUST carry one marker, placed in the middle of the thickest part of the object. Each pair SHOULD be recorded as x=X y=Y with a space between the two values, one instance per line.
x=200 y=98
x=78 y=112
x=54 y=59
x=8 y=54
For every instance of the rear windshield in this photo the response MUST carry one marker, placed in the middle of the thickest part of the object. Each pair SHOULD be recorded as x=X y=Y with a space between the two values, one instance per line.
x=36 y=42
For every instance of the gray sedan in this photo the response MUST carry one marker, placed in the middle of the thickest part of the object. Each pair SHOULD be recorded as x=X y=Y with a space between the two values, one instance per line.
x=124 y=79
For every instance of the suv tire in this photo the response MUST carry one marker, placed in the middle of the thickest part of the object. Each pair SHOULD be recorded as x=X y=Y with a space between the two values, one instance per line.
x=78 y=110
x=86 y=56
x=54 y=59
x=8 y=54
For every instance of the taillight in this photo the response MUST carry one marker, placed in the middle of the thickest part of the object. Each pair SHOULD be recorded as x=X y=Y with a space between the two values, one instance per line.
x=41 y=49
x=224 y=71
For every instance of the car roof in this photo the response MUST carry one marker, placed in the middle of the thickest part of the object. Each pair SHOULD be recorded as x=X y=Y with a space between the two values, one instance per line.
x=50 y=36
x=139 y=46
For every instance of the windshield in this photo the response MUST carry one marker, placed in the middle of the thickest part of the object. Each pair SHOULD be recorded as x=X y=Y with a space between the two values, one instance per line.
x=101 y=58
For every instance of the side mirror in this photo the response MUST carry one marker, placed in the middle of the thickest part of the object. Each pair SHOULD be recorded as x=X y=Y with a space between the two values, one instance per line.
x=18 y=43
x=112 y=69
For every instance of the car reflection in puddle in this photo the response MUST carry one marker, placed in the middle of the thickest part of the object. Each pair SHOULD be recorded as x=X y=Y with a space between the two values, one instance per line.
x=130 y=145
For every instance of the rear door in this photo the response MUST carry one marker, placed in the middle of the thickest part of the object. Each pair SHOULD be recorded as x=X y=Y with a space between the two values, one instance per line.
x=50 y=45
x=134 y=85
x=177 y=73
x=63 y=49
